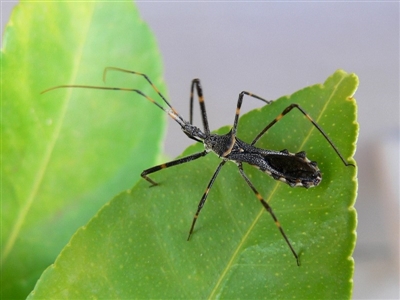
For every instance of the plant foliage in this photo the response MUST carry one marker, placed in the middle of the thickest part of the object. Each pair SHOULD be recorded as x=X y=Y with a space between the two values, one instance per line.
x=67 y=152
x=135 y=247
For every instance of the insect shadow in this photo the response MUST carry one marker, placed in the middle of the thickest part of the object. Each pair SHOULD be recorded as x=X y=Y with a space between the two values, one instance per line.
x=294 y=169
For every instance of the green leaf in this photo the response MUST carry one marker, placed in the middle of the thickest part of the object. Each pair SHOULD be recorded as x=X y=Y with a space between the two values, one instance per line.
x=67 y=152
x=136 y=247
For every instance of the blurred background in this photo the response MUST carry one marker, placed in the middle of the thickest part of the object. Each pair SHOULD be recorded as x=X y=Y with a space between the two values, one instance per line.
x=274 y=49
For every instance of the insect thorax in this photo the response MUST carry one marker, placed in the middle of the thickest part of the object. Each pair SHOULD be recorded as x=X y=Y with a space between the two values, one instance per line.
x=220 y=144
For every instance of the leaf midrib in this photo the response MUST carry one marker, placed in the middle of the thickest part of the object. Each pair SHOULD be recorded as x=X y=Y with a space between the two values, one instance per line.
x=48 y=153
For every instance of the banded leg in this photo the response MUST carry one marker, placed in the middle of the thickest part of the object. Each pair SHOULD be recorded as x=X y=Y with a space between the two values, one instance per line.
x=196 y=83
x=204 y=197
x=269 y=209
x=170 y=164
x=239 y=105
x=287 y=110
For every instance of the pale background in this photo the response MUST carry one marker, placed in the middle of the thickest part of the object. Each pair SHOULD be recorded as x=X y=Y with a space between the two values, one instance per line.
x=276 y=48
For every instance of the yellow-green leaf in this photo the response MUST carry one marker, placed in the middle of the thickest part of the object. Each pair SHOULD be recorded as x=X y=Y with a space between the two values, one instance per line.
x=67 y=152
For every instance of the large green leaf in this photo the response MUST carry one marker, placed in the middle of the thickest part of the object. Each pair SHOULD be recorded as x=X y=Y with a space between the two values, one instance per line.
x=67 y=152
x=136 y=247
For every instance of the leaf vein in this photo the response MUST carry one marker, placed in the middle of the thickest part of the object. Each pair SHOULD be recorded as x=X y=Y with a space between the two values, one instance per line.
x=42 y=168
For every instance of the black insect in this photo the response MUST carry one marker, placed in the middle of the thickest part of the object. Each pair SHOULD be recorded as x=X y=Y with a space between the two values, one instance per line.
x=295 y=169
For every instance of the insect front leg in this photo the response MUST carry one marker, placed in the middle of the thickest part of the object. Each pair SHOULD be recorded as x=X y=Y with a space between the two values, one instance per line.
x=170 y=164
x=196 y=83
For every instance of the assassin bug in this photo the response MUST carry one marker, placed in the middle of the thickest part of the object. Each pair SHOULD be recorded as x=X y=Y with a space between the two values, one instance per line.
x=294 y=169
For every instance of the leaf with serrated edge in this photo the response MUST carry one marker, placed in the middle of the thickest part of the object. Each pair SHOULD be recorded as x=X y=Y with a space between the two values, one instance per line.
x=136 y=246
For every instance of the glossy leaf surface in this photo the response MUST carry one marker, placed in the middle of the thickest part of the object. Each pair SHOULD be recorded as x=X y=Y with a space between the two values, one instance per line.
x=67 y=152
x=136 y=247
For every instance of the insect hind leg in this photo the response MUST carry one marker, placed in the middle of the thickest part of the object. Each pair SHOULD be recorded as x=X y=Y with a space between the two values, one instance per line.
x=287 y=110
x=270 y=211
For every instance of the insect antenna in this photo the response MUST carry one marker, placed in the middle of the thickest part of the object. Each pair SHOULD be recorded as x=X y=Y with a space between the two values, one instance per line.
x=140 y=74
x=170 y=111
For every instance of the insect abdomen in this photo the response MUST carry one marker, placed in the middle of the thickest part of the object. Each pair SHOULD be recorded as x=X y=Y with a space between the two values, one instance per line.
x=294 y=169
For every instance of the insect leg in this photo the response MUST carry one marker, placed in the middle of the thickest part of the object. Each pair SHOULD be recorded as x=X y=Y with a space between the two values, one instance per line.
x=269 y=209
x=204 y=197
x=287 y=110
x=196 y=83
x=239 y=105
x=170 y=164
